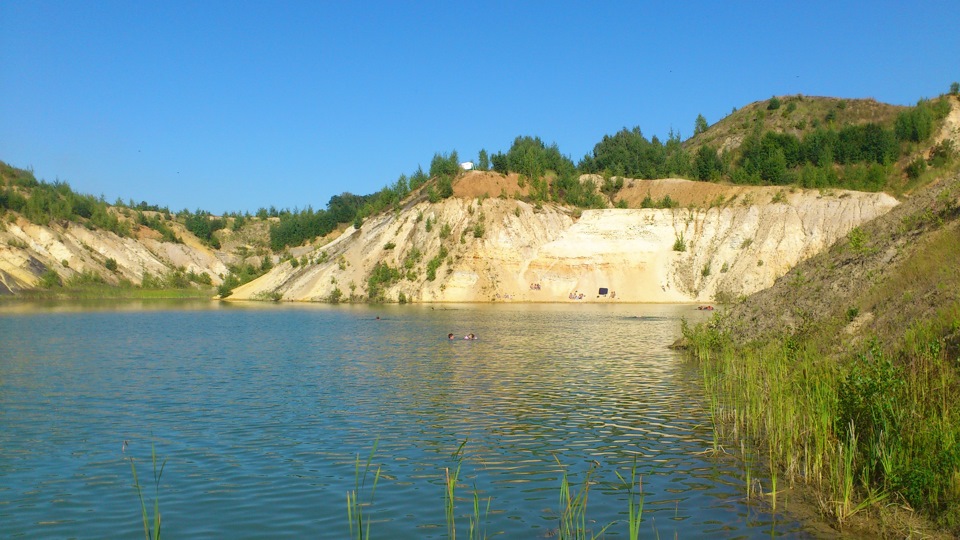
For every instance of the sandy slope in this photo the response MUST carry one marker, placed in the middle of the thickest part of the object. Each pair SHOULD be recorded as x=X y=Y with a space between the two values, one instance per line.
x=529 y=254
x=27 y=250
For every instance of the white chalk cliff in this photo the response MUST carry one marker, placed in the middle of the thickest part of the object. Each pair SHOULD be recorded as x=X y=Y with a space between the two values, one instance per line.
x=502 y=249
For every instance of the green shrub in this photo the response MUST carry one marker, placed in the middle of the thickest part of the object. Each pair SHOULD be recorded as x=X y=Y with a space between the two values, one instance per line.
x=434 y=263
x=916 y=168
x=110 y=264
x=382 y=276
x=335 y=296
x=679 y=244
x=858 y=239
x=667 y=202
x=85 y=278
x=412 y=258
x=50 y=279
x=773 y=104
x=942 y=153
x=866 y=403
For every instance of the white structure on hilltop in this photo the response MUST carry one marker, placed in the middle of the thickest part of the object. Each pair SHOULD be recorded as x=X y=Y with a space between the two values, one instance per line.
x=467 y=165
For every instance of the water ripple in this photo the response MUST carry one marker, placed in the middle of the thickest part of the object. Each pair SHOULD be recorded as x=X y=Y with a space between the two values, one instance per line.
x=263 y=413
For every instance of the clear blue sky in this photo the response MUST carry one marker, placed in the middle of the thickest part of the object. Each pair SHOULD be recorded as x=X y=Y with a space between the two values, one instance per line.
x=236 y=105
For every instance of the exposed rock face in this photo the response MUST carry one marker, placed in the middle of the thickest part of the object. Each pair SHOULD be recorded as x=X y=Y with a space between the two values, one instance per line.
x=508 y=250
x=27 y=250
x=732 y=241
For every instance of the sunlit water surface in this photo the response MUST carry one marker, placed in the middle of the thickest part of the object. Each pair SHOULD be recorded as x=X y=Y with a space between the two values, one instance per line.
x=260 y=413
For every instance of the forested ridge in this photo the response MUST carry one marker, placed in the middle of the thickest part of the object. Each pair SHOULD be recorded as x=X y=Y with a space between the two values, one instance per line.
x=789 y=140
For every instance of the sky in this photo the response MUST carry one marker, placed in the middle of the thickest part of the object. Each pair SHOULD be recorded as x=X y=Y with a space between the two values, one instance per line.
x=238 y=105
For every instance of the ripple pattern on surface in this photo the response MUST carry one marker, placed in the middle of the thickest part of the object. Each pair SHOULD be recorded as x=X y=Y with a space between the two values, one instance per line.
x=262 y=413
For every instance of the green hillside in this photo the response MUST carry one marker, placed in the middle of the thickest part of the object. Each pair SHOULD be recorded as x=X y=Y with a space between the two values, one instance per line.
x=847 y=371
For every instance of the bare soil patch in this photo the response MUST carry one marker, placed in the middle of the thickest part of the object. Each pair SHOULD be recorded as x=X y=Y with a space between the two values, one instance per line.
x=474 y=184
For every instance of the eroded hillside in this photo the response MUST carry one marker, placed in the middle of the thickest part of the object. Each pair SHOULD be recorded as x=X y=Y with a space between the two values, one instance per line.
x=502 y=249
x=71 y=250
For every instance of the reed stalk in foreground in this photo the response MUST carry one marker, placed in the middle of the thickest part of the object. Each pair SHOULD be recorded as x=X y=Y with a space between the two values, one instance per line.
x=450 y=485
x=450 y=482
x=573 y=508
x=634 y=500
x=360 y=523
x=150 y=532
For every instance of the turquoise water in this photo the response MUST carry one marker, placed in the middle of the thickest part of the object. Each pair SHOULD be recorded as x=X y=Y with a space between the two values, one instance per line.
x=261 y=412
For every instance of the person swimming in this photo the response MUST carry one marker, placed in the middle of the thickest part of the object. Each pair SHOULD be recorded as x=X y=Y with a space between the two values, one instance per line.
x=450 y=335
x=470 y=336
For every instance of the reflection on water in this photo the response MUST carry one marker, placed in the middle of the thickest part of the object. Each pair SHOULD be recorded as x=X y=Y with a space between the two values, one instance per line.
x=262 y=411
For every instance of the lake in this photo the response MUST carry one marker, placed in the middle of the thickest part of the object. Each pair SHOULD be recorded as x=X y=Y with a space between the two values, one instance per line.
x=261 y=412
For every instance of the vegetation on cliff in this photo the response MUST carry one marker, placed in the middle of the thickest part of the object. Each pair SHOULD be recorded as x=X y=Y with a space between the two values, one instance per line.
x=799 y=140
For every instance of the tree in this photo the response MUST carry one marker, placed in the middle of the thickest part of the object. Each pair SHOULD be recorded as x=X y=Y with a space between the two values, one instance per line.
x=483 y=161
x=707 y=163
x=955 y=88
x=915 y=124
x=629 y=153
x=445 y=165
x=773 y=104
x=700 y=125
x=500 y=163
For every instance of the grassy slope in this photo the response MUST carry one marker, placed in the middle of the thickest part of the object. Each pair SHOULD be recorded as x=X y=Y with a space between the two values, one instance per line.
x=797 y=115
x=846 y=371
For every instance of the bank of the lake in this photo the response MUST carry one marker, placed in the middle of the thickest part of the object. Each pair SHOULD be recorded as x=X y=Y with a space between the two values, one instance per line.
x=845 y=373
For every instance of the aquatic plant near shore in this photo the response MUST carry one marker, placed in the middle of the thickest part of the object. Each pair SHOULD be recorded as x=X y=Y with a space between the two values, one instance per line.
x=573 y=508
x=359 y=523
x=150 y=533
x=877 y=423
x=450 y=484
x=634 y=501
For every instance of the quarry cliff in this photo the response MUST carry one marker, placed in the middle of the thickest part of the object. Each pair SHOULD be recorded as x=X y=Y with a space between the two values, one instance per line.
x=484 y=249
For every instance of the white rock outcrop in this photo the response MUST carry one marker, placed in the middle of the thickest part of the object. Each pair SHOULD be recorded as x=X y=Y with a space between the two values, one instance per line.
x=507 y=250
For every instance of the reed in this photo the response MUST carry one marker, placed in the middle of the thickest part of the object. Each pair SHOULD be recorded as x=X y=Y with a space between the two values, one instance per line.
x=358 y=521
x=573 y=508
x=151 y=526
x=479 y=514
x=860 y=425
x=450 y=484
x=634 y=500
x=476 y=533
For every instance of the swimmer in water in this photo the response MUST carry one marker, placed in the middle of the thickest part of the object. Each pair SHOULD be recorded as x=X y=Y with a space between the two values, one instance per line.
x=450 y=336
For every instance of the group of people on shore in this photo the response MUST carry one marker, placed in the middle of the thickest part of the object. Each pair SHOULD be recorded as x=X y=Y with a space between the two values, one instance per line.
x=468 y=336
